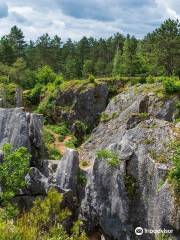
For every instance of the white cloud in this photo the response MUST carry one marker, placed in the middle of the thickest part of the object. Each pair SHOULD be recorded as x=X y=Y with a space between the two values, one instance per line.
x=97 y=18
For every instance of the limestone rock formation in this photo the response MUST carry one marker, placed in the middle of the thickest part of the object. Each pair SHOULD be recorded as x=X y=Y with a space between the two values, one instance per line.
x=85 y=105
x=136 y=192
x=67 y=171
x=22 y=129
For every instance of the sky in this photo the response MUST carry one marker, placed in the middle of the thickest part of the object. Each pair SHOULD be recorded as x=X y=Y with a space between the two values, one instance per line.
x=77 y=18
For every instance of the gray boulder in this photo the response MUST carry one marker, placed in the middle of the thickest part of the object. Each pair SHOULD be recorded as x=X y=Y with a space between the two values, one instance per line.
x=67 y=171
x=22 y=129
x=37 y=183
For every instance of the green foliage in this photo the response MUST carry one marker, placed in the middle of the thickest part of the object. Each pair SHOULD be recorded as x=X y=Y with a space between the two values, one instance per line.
x=70 y=68
x=161 y=48
x=32 y=97
x=143 y=116
x=72 y=143
x=88 y=68
x=54 y=153
x=91 y=78
x=164 y=236
x=49 y=140
x=61 y=129
x=14 y=167
x=110 y=157
x=131 y=186
x=127 y=62
x=82 y=179
x=48 y=136
x=43 y=222
x=12 y=172
x=172 y=85
x=174 y=174
x=105 y=117
x=45 y=75
x=17 y=72
x=7 y=93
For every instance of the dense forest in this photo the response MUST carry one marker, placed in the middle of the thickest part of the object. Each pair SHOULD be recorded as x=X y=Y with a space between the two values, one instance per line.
x=157 y=54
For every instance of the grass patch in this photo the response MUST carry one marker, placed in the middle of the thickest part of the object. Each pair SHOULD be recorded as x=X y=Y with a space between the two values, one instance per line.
x=110 y=157
x=105 y=117
x=158 y=157
x=76 y=84
x=160 y=184
x=143 y=116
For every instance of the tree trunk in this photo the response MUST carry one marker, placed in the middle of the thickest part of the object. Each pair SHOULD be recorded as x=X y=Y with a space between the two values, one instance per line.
x=3 y=100
x=19 y=97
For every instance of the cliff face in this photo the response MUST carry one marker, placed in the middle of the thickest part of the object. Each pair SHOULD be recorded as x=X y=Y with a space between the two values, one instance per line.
x=136 y=192
x=22 y=129
x=81 y=104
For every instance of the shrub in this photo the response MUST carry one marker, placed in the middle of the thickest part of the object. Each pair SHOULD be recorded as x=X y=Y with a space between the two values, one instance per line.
x=150 y=79
x=12 y=172
x=131 y=186
x=43 y=222
x=91 y=78
x=72 y=143
x=60 y=129
x=172 y=85
x=47 y=136
x=110 y=157
x=143 y=115
x=82 y=179
x=54 y=153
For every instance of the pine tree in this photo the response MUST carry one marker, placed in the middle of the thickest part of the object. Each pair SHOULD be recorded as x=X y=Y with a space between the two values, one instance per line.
x=117 y=66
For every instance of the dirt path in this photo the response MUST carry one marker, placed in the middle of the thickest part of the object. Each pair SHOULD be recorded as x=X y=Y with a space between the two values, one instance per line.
x=58 y=144
x=61 y=145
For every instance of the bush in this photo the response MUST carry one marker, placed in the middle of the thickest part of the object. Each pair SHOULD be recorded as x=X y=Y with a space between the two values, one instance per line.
x=60 y=129
x=172 y=85
x=72 y=143
x=54 y=153
x=12 y=172
x=48 y=136
x=110 y=157
x=91 y=78
x=43 y=222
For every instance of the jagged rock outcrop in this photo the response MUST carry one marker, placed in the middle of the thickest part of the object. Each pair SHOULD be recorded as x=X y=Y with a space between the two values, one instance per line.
x=22 y=129
x=37 y=183
x=85 y=104
x=67 y=171
x=136 y=192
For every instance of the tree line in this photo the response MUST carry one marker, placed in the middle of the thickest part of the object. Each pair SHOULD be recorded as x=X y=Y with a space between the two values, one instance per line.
x=158 y=53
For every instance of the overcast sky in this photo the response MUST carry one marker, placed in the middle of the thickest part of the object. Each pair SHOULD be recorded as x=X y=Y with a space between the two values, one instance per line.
x=76 y=18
